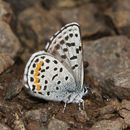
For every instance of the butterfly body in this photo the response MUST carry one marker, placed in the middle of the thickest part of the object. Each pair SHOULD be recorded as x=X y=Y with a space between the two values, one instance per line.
x=57 y=73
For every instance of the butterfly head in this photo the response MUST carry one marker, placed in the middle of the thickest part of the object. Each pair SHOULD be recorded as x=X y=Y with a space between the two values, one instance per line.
x=86 y=89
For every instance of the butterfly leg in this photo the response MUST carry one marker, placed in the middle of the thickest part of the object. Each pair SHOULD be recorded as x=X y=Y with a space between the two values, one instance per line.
x=79 y=106
x=81 y=101
x=83 y=104
x=64 y=108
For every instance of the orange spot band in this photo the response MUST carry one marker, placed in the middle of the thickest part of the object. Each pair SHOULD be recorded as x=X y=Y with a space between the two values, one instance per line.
x=36 y=74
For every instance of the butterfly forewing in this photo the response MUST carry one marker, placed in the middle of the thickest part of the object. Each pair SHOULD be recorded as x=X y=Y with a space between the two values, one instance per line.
x=66 y=46
x=47 y=78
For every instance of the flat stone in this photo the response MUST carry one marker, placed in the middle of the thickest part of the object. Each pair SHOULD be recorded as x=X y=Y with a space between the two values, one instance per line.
x=13 y=89
x=19 y=6
x=91 y=24
x=119 y=13
x=117 y=124
x=6 y=13
x=118 y=85
x=57 y=125
x=107 y=56
x=125 y=104
x=35 y=27
x=4 y=127
x=126 y=115
x=18 y=123
x=112 y=106
x=39 y=114
x=81 y=116
x=5 y=62
x=8 y=41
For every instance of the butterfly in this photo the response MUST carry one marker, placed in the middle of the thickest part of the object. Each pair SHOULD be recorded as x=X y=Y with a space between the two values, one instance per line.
x=57 y=74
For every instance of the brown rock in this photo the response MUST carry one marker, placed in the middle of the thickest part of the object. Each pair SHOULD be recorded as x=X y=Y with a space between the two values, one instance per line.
x=118 y=85
x=57 y=125
x=18 y=123
x=6 y=12
x=125 y=104
x=63 y=3
x=126 y=115
x=35 y=27
x=86 y=16
x=13 y=89
x=40 y=115
x=5 y=62
x=4 y=127
x=117 y=124
x=119 y=13
x=107 y=56
x=110 y=108
x=8 y=41
x=81 y=116
x=19 y=6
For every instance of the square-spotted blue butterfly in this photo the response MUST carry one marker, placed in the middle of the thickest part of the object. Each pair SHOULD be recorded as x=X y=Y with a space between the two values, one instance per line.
x=57 y=74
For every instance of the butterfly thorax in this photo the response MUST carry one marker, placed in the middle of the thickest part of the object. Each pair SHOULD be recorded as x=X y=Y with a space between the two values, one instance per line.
x=76 y=96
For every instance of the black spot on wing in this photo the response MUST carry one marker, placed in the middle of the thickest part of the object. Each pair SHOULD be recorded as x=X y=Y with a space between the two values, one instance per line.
x=73 y=57
x=48 y=93
x=31 y=79
x=55 y=62
x=57 y=46
x=41 y=93
x=73 y=67
x=47 y=60
x=32 y=72
x=63 y=56
x=45 y=87
x=65 y=49
x=36 y=60
x=66 y=38
x=77 y=51
x=62 y=42
x=33 y=87
x=70 y=44
x=71 y=35
x=54 y=76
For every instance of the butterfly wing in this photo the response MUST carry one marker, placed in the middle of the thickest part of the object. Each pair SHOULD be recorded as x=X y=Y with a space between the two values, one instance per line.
x=66 y=46
x=47 y=78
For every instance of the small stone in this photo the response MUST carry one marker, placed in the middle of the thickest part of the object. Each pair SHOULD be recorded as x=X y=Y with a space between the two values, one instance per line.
x=118 y=85
x=125 y=104
x=19 y=6
x=13 y=89
x=6 y=13
x=126 y=115
x=117 y=124
x=89 y=22
x=9 y=43
x=57 y=125
x=82 y=116
x=43 y=117
x=113 y=106
x=4 y=127
x=18 y=123
x=119 y=14
x=35 y=30
x=113 y=53
x=5 y=62
x=39 y=114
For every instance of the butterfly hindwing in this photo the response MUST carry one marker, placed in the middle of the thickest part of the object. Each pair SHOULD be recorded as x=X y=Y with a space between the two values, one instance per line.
x=66 y=46
x=47 y=78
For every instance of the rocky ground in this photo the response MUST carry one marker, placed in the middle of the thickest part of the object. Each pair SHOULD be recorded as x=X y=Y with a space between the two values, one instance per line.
x=27 y=25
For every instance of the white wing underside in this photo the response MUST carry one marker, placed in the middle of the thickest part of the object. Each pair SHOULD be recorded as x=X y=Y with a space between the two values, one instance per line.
x=66 y=46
